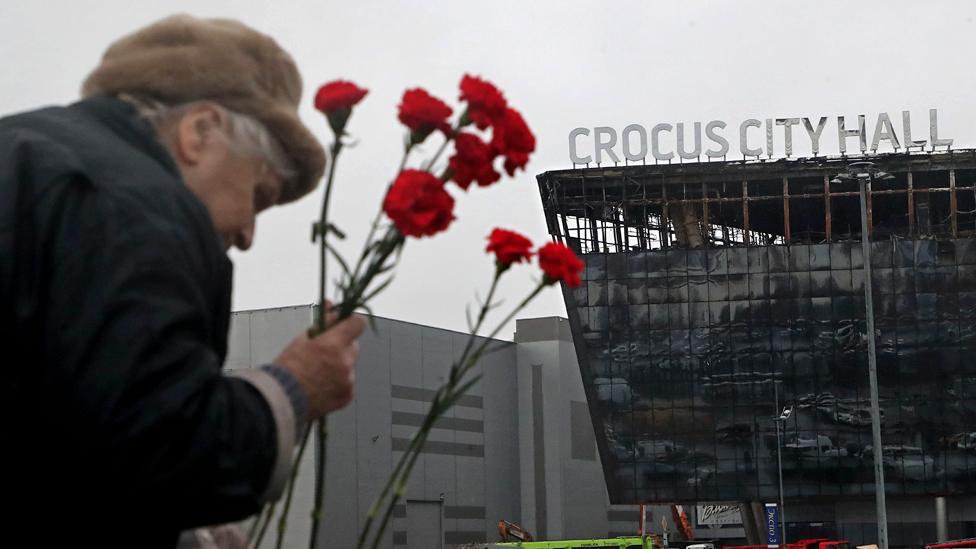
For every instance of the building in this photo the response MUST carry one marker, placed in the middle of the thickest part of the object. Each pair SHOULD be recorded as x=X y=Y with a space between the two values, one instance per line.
x=715 y=295
x=718 y=293
x=520 y=447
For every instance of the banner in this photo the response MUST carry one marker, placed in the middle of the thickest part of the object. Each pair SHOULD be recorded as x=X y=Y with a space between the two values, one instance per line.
x=716 y=515
x=772 y=525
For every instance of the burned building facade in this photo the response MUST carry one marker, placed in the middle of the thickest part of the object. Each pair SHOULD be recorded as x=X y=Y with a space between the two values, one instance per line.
x=718 y=293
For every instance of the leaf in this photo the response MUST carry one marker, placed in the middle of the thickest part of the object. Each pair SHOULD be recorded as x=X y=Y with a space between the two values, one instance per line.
x=332 y=228
x=370 y=318
x=338 y=258
x=369 y=249
x=378 y=289
x=386 y=268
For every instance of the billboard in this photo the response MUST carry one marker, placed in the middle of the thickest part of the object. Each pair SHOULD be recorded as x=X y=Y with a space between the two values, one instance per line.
x=718 y=515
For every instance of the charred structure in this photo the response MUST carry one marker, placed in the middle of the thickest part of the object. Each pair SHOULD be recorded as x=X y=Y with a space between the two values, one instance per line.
x=717 y=293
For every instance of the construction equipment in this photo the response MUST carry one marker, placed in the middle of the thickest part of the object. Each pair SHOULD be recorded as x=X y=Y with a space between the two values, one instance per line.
x=512 y=532
x=969 y=542
x=640 y=542
x=682 y=523
x=811 y=543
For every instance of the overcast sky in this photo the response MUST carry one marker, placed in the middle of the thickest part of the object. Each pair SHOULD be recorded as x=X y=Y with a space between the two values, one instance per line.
x=563 y=64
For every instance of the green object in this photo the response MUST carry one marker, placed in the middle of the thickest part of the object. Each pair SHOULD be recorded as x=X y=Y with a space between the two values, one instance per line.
x=643 y=542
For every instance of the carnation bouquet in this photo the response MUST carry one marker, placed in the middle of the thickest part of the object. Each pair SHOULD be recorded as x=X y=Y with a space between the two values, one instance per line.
x=489 y=134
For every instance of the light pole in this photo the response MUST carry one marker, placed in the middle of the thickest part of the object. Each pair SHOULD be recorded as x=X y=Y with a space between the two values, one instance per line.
x=864 y=172
x=783 y=416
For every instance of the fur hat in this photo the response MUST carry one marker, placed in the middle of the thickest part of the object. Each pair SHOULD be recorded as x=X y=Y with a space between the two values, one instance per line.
x=181 y=59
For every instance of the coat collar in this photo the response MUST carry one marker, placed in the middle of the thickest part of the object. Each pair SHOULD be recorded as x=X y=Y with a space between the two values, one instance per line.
x=122 y=119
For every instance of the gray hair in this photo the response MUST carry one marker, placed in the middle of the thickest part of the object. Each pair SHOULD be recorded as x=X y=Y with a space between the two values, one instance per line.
x=246 y=136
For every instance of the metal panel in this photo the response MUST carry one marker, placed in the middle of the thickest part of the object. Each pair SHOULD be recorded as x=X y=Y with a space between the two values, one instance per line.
x=425 y=529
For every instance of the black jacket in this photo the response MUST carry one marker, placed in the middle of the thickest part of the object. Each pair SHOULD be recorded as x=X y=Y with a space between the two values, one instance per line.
x=114 y=310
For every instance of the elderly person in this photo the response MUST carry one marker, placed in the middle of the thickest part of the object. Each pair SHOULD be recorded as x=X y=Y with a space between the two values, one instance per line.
x=116 y=213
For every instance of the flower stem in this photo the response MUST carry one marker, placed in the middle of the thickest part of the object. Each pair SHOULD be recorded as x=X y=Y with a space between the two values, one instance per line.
x=406 y=153
x=443 y=400
x=515 y=311
x=379 y=216
x=320 y=440
x=270 y=508
x=447 y=140
x=392 y=241
x=320 y=323
x=261 y=521
x=344 y=311
x=481 y=317
x=320 y=327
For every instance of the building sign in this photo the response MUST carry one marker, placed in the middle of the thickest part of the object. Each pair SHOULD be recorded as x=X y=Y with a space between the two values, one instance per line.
x=771 y=523
x=750 y=138
x=716 y=515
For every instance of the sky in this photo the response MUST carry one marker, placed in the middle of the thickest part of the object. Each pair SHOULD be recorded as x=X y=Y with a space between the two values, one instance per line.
x=563 y=64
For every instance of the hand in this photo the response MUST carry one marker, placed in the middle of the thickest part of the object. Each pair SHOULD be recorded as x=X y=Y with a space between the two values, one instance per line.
x=324 y=365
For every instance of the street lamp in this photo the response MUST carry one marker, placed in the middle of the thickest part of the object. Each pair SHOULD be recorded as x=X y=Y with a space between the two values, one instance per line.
x=864 y=173
x=783 y=416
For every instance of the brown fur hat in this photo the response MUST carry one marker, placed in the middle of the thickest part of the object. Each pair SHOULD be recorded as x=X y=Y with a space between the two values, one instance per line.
x=182 y=58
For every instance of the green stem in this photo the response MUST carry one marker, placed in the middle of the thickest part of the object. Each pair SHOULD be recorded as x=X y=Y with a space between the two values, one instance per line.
x=343 y=313
x=481 y=316
x=288 y=496
x=400 y=489
x=406 y=153
x=447 y=140
x=261 y=520
x=320 y=324
x=375 y=507
x=402 y=475
x=468 y=359
x=320 y=440
x=515 y=311
x=379 y=216
x=464 y=367
x=390 y=243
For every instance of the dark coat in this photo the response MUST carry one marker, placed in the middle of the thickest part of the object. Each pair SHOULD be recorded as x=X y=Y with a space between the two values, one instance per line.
x=114 y=310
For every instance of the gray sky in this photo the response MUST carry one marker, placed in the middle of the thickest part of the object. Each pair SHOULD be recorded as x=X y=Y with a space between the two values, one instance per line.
x=563 y=64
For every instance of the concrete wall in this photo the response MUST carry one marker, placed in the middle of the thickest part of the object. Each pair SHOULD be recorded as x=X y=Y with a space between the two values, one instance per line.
x=560 y=468
x=469 y=473
x=256 y=338
x=564 y=494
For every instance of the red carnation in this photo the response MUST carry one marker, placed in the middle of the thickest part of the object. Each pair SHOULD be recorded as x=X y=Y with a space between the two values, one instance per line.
x=485 y=103
x=509 y=247
x=472 y=161
x=338 y=95
x=424 y=113
x=559 y=263
x=336 y=100
x=418 y=204
x=511 y=137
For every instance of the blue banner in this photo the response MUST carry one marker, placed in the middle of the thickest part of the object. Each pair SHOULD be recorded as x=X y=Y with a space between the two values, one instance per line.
x=772 y=525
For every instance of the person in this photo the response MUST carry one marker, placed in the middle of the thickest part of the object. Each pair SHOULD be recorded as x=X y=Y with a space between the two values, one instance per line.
x=116 y=214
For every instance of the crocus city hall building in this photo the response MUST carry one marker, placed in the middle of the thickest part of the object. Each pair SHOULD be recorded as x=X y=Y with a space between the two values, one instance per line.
x=724 y=296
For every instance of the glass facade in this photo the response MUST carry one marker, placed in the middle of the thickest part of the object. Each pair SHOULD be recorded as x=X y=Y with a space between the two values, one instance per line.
x=691 y=353
x=716 y=294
